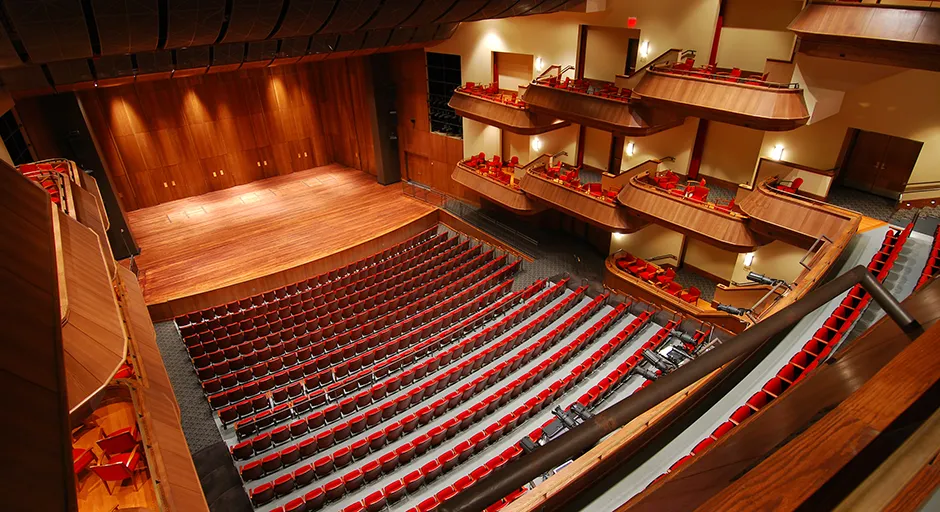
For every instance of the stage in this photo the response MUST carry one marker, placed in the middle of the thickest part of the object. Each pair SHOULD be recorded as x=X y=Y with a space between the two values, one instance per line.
x=210 y=249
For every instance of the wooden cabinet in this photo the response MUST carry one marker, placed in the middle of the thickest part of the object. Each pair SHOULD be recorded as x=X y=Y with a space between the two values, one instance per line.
x=881 y=164
x=302 y=155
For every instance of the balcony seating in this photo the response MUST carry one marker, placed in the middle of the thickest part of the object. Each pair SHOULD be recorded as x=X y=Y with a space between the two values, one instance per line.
x=656 y=276
x=82 y=459
x=572 y=179
x=119 y=441
x=492 y=93
x=792 y=187
x=496 y=169
x=598 y=88
x=117 y=468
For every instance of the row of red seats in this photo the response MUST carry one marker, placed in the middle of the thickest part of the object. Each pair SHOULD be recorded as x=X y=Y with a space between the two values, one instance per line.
x=572 y=179
x=711 y=71
x=431 y=470
x=347 y=273
x=425 y=392
x=817 y=349
x=352 y=330
x=305 y=342
x=397 y=383
x=697 y=192
x=932 y=267
x=333 y=307
x=655 y=274
x=495 y=169
x=589 y=87
x=394 y=353
x=491 y=92
x=340 y=362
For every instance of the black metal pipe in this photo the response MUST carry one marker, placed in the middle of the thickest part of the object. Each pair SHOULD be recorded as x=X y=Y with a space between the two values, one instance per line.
x=571 y=444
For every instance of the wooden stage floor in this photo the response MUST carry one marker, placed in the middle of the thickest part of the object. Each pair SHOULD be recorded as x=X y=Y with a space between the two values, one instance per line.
x=195 y=245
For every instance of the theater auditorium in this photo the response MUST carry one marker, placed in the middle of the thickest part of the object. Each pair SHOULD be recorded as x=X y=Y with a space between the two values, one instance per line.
x=470 y=255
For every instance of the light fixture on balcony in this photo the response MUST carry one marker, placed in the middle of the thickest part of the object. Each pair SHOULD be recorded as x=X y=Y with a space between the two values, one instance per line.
x=777 y=152
x=748 y=259
x=630 y=150
x=538 y=64
x=536 y=144
x=645 y=49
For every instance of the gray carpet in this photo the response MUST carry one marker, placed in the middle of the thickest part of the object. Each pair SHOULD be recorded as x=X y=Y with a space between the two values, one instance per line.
x=877 y=207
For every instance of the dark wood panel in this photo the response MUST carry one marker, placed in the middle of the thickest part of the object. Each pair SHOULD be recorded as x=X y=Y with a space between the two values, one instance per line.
x=193 y=23
x=171 y=139
x=350 y=15
x=392 y=14
x=126 y=27
x=252 y=20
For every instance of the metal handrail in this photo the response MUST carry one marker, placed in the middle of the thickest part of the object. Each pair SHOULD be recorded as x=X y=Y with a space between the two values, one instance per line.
x=515 y=474
x=814 y=249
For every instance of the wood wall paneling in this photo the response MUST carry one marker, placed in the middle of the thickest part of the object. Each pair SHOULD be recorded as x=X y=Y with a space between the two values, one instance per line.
x=171 y=139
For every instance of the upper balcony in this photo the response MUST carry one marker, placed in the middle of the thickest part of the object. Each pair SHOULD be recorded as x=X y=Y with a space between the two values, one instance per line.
x=597 y=104
x=489 y=105
x=560 y=186
x=497 y=182
x=725 y=95
x=660 y=199
x=892 y=35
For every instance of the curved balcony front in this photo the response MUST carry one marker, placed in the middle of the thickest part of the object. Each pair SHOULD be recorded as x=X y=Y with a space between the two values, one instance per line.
x=507 y=196
x=720 y=226
x=606 y=214
x=625 y=117
x=728 y=98
x=515 y=118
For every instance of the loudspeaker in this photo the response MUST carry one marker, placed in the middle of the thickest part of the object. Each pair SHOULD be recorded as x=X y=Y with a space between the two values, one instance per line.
x=384 y=121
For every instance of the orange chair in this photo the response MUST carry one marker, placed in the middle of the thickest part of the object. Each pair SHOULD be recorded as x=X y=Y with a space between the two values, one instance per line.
x=81 y=459
x=793 y=187
x=118 y=468
x=673 y=288
x=637 y=266
x=666 y=277
x=120 y=441
x=650 y=272
x=692 y=295
x=725 y=207
x=623 y=262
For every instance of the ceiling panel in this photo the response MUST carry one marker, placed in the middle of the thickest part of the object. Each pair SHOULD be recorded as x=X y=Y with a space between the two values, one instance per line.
x=492 y=9
x=70 y=72
x=114 y=66
x=193 y=22
x=8 y=56
x=50 y=29
x=192 y=58
x=127 y=26
x=463 y=9
x=429 y=11
x=232 y=53
x=549 y=6
x=294 y=47
x=261 y=51
x=350 y=15
x=154 y=62
x=252 y=20
x=305 y=17
x=401 y=36
x=349 y=42
x=27 y=78
x=377 y=38
x=522 y=8
x=392 y=14
x=445 y=30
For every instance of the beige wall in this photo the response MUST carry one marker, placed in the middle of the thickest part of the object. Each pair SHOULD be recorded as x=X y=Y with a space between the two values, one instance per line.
x=481 y=138
x=514 y=69
x=776 y=259
x=597 y=148
x=731 y=152
x=649 y=242
x=675 y=142
x=749 y=49
x=606 y=51
x=711 y=259
x=906 y=104
x=564 y=139
x=515 y=145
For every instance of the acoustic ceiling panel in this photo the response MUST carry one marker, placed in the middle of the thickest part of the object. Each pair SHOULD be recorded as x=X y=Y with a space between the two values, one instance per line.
x=27 y=78
x=127 y=26
x=428 y=12
x=522 y=8
x=294 y=47
x=549 y=6
x=261 y=51
x=8 y=56
x=424 y=34
x=114 y=66
x=305 y=17
x=349 y=15
x=193 y=22
x=492 y=9
x=401 y=36
x=349 y=42
x=252 y=20
x=392 y=14
x=70 y=72
x=223 y=54
x=445 y=31
x=377 y=38
x=323 y=44
x=154 y=62
x=463 y=9
x=50 y=29
x=192 y=58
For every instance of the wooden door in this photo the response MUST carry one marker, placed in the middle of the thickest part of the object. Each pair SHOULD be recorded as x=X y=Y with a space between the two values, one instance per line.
x=896 y=167
x=283 y=158
x=218 y=173
x=864 y=163
x=266 y=157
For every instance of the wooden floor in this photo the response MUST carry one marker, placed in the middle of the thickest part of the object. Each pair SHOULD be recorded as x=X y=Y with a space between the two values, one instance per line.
x=207 y=242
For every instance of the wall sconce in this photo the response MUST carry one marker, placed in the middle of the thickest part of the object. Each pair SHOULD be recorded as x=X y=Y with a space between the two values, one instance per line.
x=645 y=49
x=630 y=150
x=748 y=259
x=536 y=144
x=538 y=64
x=777 y=152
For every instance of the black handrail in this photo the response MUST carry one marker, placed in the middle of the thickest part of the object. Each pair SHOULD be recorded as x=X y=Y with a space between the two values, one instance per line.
x=515 y=474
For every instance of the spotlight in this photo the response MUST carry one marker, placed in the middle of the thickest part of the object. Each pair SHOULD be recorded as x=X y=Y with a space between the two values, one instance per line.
x=762 y=279
x=732 y=310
